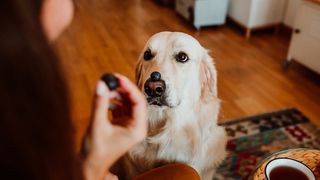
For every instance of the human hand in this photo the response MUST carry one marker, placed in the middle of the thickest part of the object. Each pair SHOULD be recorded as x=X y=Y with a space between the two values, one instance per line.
x=108 y=139
x=110 y=176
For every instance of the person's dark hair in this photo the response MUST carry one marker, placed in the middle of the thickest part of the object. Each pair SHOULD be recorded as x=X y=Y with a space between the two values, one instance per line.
x=36 y=139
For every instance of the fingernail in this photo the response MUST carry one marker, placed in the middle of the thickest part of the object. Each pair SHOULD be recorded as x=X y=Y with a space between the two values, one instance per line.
x=101 y=88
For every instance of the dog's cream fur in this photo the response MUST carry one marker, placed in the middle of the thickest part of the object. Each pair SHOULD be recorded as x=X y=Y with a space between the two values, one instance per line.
x=186 y=130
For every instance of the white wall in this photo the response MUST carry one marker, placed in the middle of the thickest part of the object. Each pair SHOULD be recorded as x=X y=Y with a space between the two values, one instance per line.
x=292 y=9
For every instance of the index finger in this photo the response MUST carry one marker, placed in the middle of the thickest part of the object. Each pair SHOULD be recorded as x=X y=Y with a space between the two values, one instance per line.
x=135 y=95
x=136 y=98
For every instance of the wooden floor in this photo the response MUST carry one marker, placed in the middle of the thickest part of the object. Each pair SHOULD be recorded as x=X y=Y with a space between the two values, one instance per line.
x=108 y=35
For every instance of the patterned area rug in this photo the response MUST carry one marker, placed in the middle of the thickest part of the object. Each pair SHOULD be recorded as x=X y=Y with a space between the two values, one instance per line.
x=252 y=139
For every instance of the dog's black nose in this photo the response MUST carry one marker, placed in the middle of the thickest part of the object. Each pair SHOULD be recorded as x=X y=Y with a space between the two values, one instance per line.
x=154 y=88
x=155 y=76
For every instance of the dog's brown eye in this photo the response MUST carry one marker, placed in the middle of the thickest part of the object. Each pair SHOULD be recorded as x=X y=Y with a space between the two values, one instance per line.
x=147 y=55
x=182 y=57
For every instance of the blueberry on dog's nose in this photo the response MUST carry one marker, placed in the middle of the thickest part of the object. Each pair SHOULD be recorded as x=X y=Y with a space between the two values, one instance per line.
x=155 y=76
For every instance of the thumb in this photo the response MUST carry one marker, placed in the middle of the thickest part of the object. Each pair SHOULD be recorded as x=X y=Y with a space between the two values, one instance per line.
x=101 y=102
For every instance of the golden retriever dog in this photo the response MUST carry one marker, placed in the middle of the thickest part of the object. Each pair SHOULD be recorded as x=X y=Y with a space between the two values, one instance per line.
x=179 y=80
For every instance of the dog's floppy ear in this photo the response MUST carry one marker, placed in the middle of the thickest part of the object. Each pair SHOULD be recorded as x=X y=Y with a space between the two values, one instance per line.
x=208 y=76
x=138 y=72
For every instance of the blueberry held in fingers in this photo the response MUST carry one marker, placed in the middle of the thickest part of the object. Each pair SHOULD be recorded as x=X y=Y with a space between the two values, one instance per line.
x=111 y=81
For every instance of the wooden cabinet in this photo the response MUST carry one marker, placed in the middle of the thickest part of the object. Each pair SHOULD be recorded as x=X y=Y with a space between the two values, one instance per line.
x=305 y=42
x=203 y=12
